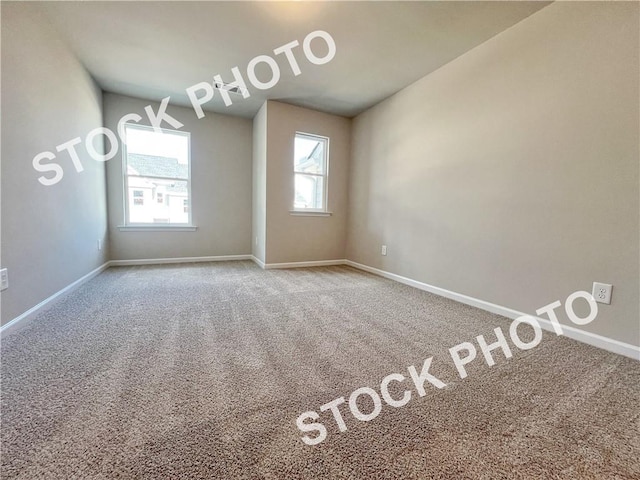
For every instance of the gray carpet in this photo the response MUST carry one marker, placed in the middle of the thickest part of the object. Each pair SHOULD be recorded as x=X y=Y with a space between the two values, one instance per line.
x=200 y=371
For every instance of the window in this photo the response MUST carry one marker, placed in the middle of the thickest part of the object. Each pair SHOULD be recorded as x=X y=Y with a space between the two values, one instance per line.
x=310 y=167
x=138 y=197
x=157 y=167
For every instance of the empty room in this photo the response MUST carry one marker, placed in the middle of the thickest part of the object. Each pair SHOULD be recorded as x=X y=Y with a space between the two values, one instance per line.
x=320 y=240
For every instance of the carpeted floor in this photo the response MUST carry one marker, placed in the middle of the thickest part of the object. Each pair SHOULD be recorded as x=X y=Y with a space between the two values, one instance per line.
x=200 y=371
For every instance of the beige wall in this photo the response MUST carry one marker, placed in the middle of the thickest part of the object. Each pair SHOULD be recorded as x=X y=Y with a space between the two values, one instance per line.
x=220 y=187
x=304 y=238
x=511 y=174
x=259 y=206
x=49 y=233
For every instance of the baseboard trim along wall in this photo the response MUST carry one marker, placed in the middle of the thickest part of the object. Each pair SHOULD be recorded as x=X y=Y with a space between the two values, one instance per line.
x=317 y=263
x=593 y=339
x=22 y=320
x=258 y=262
x=162 y=261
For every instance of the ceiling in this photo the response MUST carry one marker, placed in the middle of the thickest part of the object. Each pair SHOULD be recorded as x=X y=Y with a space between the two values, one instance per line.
x=151 y=49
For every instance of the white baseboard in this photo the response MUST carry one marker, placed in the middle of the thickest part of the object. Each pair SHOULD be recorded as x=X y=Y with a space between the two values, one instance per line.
x=23 y=319
x=593 y=339
x=258 y=262
x=317 y=263
x=163 y=261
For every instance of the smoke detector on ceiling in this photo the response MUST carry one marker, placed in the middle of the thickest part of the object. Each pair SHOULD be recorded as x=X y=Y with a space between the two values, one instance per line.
x=230 y=88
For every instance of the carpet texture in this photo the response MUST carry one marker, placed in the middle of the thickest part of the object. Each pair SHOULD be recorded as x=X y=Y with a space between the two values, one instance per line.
x=200 y=372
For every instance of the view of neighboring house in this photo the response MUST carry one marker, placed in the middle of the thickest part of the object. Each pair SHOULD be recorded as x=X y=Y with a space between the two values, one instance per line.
x=156 y=192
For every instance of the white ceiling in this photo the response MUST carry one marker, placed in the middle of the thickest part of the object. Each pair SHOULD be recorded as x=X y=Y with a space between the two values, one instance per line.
x=151 y=49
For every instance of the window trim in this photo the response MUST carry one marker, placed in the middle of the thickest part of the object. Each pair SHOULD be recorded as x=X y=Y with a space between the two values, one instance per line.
x=324 y=211
x=313 y=213
x=157 y=227
x=130 y=226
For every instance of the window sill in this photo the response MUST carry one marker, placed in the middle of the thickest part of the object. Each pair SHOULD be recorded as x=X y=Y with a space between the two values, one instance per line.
x=157 y=228
x=302 y=213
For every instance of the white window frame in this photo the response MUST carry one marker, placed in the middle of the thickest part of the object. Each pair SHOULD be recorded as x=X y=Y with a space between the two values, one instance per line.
x=324 y=211
x=154 y=226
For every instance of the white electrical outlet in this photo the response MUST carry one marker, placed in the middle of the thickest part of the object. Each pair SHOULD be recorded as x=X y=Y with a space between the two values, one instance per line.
x=602 y=292
x=4 y=279
x=384 y=249
x=99 y=244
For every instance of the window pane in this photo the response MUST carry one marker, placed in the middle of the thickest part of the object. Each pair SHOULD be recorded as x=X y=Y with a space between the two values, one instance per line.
x=153 y=154
x=144 y=206
x=157 y=176
x=155 y=166
x=309 y=155
x=309 y=192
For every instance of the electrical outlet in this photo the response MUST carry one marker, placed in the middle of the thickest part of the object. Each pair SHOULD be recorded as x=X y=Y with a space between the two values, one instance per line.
x=602 y=292
x=256 y=241
x=384 y=249
x=4 y=279
x=99 y=244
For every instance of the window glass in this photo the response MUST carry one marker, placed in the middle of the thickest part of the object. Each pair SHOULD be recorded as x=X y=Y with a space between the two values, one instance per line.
x=157 y=176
